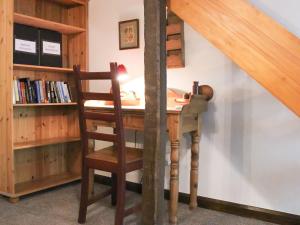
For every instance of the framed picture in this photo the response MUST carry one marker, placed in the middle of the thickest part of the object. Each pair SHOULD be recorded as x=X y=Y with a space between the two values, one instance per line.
x=129 y=34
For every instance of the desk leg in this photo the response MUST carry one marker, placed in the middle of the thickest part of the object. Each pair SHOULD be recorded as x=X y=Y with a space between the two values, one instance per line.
x=194 y=170
x=174 y=181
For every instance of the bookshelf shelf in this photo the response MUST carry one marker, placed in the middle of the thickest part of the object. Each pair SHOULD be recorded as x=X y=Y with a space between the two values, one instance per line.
x=46 y=24
x=45 y=104
x=28 y=187
x=40 y=143
x=42 y=68
x=69 y=2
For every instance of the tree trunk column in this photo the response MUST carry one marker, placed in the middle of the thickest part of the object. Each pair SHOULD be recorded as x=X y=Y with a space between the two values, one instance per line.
x=155 y=112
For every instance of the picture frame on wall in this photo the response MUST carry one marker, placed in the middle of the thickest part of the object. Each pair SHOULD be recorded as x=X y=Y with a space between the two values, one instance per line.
x=129 y=34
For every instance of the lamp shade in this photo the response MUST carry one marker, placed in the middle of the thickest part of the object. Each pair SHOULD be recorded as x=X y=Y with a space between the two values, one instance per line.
x=122 y=72
x=122 y=69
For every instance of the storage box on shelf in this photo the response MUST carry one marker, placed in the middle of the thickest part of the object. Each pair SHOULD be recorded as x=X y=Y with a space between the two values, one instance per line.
x=40 y=143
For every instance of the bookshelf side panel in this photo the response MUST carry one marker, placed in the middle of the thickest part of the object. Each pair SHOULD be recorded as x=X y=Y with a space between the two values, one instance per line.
x=6 y=46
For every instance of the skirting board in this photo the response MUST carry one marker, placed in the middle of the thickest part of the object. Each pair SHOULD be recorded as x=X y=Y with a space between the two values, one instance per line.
x=223 y=206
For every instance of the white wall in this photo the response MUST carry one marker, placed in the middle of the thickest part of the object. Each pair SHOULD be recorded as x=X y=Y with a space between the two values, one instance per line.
x=250 y=147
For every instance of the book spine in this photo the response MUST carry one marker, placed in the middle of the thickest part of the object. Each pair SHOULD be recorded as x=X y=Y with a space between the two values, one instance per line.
x=53 y=95
x=29 y=91
x=41 y=92
x=14 y=96
x=34 y=94
x=38 y=92
x=19 y=91
x=69 y=91
x=66 y=91
x=26 y=90
x=48 y=89
x=63 y=97
x=57 y=92
x=16 y=91
x=23 y=92
x=46 y=100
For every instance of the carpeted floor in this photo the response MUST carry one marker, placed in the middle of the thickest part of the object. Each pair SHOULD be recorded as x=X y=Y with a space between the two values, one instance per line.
x=60 y=207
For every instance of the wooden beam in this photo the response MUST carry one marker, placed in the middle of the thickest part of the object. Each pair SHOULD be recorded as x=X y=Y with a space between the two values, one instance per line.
x=260 y=46
x=6 y=108
x=155 y=115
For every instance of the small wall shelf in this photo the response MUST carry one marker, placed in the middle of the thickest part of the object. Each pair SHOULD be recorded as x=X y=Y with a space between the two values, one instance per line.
x=46 y=24
x=175 y=42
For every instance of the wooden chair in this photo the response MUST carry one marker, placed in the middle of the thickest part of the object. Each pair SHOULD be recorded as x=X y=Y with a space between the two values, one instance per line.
x=116 y=159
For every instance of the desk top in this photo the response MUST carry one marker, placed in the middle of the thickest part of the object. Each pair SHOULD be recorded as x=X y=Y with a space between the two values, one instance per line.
x=197 y=104
x=137 y=108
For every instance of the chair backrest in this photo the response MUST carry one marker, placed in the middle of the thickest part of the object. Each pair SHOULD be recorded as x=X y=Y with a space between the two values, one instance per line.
x=115 y=117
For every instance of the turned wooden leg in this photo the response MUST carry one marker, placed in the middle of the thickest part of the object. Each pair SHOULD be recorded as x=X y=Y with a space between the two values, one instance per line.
x=14 y=200
x=174 y=181
x=194 y=170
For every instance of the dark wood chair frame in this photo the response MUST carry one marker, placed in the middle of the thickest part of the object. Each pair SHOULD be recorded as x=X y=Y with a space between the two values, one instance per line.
x=119 y=168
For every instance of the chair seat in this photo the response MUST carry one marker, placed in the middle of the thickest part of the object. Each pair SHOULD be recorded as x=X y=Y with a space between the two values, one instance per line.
x=108 y=156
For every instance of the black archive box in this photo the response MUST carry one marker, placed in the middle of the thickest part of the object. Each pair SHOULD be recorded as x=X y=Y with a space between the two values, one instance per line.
x=26 y=48
x=50 y=48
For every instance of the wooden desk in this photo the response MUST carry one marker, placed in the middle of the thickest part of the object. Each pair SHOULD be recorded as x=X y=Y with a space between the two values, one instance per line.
x=179 y=122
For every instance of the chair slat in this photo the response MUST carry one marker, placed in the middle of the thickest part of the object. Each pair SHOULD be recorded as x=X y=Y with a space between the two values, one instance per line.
x=102 y=137
x=109 y=117
x=95 y=76
x=97 y=96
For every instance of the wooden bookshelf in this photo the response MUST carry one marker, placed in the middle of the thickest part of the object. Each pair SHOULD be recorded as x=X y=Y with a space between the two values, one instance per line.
x=42 y=68
x=46 y=24
x=40 y=144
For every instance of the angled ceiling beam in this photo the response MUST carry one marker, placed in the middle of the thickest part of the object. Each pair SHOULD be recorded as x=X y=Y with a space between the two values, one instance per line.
x=264 y=49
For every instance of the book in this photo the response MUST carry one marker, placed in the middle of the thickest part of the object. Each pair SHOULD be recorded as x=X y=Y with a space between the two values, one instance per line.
x=66 y=92
x=16 y=92
x=41 y=91
x=69 y=91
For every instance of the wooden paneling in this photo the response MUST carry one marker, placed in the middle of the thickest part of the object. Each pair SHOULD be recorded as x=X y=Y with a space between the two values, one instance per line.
x=261 y=47
x=38 y=124
x=6 y=154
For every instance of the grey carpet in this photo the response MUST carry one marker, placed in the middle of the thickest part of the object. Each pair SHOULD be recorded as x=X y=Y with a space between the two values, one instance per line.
x=60 y=207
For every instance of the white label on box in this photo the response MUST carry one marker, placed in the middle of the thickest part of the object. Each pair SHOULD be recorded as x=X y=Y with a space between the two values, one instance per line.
x=51 y=48
x=25 y=46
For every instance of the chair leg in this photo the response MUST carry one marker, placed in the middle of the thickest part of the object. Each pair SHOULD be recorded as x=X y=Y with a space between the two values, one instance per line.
x=121 y=188
x=84 y=195
x=114 y=189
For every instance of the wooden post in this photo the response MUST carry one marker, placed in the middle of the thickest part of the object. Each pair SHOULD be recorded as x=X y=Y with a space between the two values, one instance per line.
x=6 y=100
x=155 y=115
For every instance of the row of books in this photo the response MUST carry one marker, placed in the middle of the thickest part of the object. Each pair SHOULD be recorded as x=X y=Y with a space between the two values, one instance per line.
x=28 y=91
